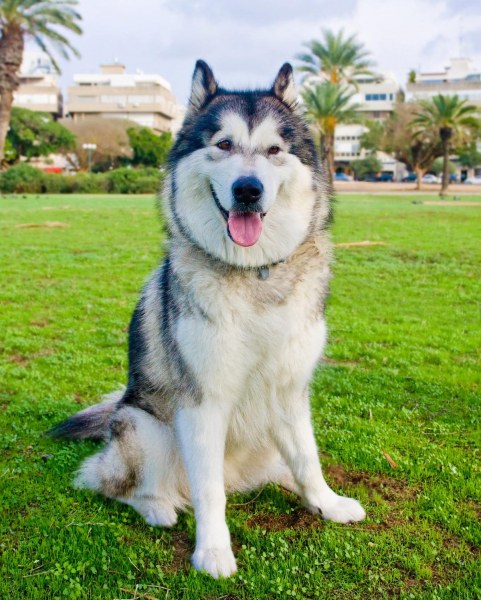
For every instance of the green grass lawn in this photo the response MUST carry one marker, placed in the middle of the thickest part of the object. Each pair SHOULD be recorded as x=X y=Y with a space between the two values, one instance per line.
x=396 y=407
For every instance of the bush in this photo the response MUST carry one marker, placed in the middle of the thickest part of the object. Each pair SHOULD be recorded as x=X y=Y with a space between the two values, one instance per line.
x=25 y=179
x=363 y=167
x=89 y=183
x=22 y=179
x=134 y=181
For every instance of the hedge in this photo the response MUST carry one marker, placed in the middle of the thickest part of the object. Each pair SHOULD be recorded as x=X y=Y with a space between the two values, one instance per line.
x=25 y=179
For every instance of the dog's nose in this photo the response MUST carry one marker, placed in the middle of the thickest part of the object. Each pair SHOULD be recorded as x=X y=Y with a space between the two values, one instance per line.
x=247 y=190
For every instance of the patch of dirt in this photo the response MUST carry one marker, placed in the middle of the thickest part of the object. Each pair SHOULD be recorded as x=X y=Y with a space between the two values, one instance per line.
x=42 y=323
x=47 y=224
x=359 y=244
x=390 y=489
x=182 y=550
x=299 y=519
x=451 y=203
x=338 y=363
x=23 y=360
x=19 y=359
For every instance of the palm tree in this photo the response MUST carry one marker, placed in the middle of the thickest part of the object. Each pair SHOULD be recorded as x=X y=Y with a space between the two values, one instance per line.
x=326 y=105
x=452 y=118
x=337 y=58
x=36 y=20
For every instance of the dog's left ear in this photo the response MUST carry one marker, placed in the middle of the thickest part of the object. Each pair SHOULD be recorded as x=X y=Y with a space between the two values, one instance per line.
x=284 y=87
x=204 y=86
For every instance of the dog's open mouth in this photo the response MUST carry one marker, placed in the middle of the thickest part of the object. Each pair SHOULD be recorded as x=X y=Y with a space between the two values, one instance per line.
x=243 y=228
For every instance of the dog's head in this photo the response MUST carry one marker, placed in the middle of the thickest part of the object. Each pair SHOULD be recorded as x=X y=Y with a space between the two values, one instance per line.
x=243 y=171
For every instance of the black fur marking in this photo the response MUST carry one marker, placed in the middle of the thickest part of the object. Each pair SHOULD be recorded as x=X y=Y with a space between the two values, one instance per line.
x=253 y=106
x=171 y=311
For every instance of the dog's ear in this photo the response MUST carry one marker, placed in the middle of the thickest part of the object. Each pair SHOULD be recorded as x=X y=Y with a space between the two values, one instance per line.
x=204 y=86
x=284 y=86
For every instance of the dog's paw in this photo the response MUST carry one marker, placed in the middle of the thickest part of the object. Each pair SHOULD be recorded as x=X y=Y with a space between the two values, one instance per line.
x=341 y=510
x=218 y=562
x=155 y=513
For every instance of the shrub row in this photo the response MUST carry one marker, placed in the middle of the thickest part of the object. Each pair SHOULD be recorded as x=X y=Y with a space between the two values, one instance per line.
x=25 y=179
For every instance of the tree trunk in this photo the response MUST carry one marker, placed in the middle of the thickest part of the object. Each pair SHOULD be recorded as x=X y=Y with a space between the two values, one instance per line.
x=326 y=158
x=11 y=54
x=6 y=102
x=419 y=177
x=445 y=133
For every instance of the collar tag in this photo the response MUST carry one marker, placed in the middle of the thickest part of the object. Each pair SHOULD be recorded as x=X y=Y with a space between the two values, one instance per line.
x=263 y=273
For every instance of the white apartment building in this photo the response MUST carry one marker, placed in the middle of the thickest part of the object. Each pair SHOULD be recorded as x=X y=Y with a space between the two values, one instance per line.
x=347 y=147
x=113 y=93
x=38 y=85
x=460 y=77
x=376 y=95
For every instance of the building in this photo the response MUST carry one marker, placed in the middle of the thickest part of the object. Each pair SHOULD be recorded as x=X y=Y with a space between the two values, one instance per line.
x=113 y=93
x=347 y=147
x=38 y=88
x=376 y=95
x=460 y=77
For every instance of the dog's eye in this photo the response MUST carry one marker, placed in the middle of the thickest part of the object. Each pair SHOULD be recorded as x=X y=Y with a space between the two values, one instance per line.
x=273 y=150
x=225 y=145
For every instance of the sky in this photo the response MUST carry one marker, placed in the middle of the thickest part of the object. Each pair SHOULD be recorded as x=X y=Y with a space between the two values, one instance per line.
x=246 y=41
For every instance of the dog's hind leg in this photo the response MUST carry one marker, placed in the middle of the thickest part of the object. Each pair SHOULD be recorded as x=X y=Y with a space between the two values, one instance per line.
x=140 y=467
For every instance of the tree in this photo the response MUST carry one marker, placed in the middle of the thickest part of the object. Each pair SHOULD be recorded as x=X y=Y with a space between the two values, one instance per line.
x=327 y=105
x=363 y=167
x=418 y=152
x=372 y=139
x=453 y=119
x=337 y=58
x=109 y=135
x=34 y=133
x=470 y=156
x=412 y=75
x=40 y=21
x=438 y=166
x=149 y=149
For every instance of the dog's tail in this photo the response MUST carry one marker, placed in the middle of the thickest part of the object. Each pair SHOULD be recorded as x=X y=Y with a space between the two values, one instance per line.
x=90 y=423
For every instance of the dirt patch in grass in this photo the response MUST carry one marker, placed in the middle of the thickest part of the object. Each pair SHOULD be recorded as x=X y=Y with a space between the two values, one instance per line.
x=19 y=359
x=331 y=362
x=182 y=551
x=297 y=520
x=359 y=244
x=450 y=203
x=47 y=225
x=390 y=489
x=22 y=360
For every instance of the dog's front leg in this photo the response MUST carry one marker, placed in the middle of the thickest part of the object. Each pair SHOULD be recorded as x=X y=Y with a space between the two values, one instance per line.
x=202 y=432
x=295 y=439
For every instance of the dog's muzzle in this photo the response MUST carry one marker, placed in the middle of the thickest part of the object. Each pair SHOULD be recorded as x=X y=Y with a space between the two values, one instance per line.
x=244 y=221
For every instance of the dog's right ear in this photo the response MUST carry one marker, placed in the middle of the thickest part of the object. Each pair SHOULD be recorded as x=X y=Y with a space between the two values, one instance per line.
x=204 y=86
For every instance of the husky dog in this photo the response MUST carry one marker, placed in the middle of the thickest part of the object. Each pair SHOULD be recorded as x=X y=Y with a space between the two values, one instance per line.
x=228 y=330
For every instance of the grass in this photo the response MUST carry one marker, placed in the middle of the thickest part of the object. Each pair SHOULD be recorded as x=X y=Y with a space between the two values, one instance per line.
x=396 y=408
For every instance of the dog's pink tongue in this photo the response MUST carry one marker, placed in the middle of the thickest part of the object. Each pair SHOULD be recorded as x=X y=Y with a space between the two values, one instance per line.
x=245 y=228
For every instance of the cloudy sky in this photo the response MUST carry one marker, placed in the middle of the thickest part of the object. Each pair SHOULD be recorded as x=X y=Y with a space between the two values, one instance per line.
x=246 y=41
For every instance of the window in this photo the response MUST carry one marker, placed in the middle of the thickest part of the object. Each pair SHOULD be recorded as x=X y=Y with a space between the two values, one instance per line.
x=376 y=97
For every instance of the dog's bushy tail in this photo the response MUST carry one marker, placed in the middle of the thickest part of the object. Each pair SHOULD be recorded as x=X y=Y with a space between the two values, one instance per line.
x=91 y=423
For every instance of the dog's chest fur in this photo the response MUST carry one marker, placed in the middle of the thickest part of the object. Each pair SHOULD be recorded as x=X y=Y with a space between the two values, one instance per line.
x=255 y=339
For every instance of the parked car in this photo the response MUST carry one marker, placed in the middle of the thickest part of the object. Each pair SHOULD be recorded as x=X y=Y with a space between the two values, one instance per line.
x=342 y=177
x=410 y=178
x=385 y=176
x=473 y=180
x=430 y=178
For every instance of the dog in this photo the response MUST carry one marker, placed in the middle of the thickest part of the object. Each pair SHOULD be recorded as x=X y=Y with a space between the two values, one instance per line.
x=228 y=330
